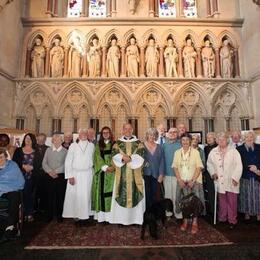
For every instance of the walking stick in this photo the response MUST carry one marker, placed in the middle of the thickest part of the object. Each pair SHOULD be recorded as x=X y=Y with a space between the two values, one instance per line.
x=215 y=202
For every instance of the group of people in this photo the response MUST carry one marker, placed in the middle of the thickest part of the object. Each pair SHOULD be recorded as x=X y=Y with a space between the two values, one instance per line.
x=115 y=181
x=89 y=58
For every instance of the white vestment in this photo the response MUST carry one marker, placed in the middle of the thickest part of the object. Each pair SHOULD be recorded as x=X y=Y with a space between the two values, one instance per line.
x=79 y=164
x=119 y=214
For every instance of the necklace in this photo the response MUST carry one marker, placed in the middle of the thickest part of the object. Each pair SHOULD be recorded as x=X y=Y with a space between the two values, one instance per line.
x=84 y=148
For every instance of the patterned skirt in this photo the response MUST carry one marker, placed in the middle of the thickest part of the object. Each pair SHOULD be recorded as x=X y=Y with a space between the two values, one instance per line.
x=197 y=189
x=249 y=197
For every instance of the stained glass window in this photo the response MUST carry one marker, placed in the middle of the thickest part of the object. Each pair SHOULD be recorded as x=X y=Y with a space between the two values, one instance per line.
x=97 y=8
x=189 y=8
x=74 y=8
x=167 y=8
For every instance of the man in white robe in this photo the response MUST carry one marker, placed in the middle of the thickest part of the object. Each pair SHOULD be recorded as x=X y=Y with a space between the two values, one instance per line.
x=128 y=200
x=79 y=172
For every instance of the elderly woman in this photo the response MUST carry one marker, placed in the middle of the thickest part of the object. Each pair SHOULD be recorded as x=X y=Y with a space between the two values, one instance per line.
x=153 y=167
x=249 y=199
x=187 y=166
x=53 y=164
x=225 y=166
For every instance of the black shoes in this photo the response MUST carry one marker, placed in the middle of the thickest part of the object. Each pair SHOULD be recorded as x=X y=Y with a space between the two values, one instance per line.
x=232 y=226
x=11 y=234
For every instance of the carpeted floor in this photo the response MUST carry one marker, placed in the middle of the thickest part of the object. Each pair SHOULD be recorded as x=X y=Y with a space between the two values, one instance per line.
x=97 y=235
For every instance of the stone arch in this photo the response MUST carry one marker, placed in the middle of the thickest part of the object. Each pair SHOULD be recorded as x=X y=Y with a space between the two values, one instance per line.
x=175 y=36
x=203 y=98
x=128 y=35
x=24 y=97
x=212 y=37
x=157 y=88
x=241 y=102
x=93 y=33
x=120 y=88
x=53 y=35
x=235 y=120
x=110 y=34
x=31 y=116
x=87 y=100
x=154 y=34
x=194 y=37
x=30 y=40
x=230 y=36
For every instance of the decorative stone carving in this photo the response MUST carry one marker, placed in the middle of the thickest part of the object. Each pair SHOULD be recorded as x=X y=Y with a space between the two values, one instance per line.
x=208 y=60
x=75 y=58
x=132 y=59
x=132 y=5
x=56 y=59
x=227 y=98
x=113 y=96
x=152 y=96
x=151 y=59
x=190 y=97
x=189 y=55
x=38 y=98
x=171 y=58
x=113 y=57
x=37 y=57
x=226 y=60
x=75 y=97
x=94 y=59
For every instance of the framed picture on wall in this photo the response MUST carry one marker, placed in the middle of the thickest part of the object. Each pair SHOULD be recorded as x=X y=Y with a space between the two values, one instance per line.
x=197 y=133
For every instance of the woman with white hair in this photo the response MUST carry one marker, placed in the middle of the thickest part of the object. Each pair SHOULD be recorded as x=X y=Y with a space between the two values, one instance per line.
x=153 y=167
x=225 y=166
x=249 y=199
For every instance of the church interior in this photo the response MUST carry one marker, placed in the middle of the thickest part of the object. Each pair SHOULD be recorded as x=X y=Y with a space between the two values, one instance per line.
x=72 y=64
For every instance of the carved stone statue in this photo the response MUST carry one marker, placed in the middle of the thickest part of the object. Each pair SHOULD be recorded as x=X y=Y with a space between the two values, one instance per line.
x=132 y=5
x=75 y=58
x=189 y=55
x=132 y=59
x=38 y=56
x=226 y=60
x=171 y=58
x=151 y=59
x=113 y=57
x=208 y=60
x=94 y=58
x=56 y=59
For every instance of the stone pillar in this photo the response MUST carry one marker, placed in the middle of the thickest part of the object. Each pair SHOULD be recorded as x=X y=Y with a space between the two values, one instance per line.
x=66 y=53
x=123 y=62
x=161 y=62
x=49 y=7
x=215 y=6
x=180 y=65
x=227 y=119
x=55 y=9
x=47 y=63
x=156 y=9
x=28 y=63
x=109 y=8
x=236 y=60
x=83 y=9
x=85 y=64
x=190 y=124
x=142 y=61
x=113 y=8
x=217 y=72
x=86 y=7
x=75 y=125
x=151 y=8
x=198 y=63
x=104 y=56
x=56 y=125
x=208 y=7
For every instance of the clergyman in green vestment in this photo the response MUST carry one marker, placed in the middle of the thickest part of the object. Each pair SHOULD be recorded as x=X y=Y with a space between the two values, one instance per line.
x=128 y=203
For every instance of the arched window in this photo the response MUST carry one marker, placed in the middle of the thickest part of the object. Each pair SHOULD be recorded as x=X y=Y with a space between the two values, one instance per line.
x=189 y=8
x=97 y=8
x=74 y=8
x=167 y=8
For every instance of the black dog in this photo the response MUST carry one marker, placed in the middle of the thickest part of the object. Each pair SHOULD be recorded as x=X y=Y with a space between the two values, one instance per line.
x=156 y=212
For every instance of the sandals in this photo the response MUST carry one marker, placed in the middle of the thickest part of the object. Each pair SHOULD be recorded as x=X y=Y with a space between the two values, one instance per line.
x=194 y=228
x=184 y=226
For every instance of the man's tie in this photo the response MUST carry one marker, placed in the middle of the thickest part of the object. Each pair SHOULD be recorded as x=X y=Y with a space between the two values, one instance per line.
x=161 y=140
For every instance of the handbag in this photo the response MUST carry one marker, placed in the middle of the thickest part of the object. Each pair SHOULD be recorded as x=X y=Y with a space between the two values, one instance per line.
x=191 y=205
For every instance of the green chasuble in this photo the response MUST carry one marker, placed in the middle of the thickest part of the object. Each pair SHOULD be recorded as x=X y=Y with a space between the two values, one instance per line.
x=129 y=189
x=103 y=182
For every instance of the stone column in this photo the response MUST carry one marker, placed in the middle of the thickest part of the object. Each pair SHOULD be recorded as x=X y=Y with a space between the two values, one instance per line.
x=47 y=63
x=215 y=6
x=218 y=75
x=85 y=64
x=28 y=63
x=236 y=61
x=104 y=56
x=161 y=62
x=83 y=9
x=123 y=62
x=56 y=125
x=86 y=8
x=198 y=63
x=227 y=119
x=208 y=7
x=109 y=8
x=113 y=8
x=66 y=53
x=151 y=8
x=56 y=10
x=142 y=61
x=49 y=7
x=180 y=65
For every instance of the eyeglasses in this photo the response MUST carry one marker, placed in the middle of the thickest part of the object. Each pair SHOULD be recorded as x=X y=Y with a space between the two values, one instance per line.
x=172 y=132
